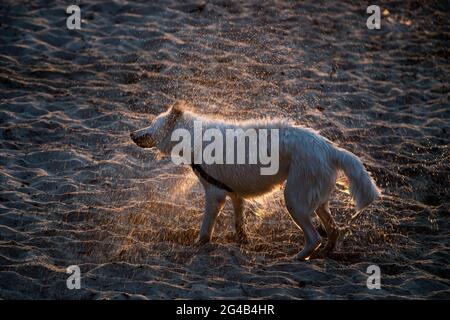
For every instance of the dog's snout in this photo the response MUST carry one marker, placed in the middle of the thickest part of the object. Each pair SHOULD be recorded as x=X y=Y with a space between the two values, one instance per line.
x=135 y=137
x=142 y=139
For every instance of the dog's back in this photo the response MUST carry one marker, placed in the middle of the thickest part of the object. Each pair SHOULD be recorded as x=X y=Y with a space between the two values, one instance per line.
x=317 y=158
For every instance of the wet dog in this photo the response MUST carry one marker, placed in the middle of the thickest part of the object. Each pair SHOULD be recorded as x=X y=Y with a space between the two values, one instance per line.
x=307 y=163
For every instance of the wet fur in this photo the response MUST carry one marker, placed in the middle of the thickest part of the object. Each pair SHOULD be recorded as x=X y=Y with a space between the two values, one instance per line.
x=308 y=163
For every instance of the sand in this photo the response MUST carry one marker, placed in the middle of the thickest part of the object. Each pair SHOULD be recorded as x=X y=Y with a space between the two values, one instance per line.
x=74 y=190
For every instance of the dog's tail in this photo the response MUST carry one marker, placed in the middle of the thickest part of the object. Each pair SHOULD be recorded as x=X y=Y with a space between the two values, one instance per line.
x=362 y=187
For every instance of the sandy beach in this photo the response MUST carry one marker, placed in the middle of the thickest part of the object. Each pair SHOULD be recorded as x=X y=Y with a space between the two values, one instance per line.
x=75 y=190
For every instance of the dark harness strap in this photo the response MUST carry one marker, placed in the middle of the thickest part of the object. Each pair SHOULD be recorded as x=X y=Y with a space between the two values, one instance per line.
x=197 y=168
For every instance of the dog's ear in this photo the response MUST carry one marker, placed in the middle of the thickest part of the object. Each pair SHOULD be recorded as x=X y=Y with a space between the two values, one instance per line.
x=178 y=108
x=175 y=112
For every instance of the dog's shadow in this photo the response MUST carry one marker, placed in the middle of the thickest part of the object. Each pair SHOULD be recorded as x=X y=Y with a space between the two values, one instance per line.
x=188 y=237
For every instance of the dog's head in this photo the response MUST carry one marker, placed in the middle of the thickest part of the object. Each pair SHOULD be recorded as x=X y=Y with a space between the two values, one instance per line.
x=160 y=129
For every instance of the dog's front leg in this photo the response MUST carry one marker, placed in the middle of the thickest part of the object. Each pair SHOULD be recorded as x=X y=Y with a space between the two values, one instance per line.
x=214 y=201
x=239 y=219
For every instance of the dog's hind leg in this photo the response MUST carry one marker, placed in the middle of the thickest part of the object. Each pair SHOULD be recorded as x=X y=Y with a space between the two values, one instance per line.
x=239 y=219
x=330 y=227
x=214 y=201
x=301 y=212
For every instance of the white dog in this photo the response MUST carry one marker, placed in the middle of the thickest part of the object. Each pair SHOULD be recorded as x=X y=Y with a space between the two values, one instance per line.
x=308 y=162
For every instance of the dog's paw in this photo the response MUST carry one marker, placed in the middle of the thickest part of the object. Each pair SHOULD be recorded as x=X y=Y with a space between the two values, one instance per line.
x=204 y=247
x=323 y=251
x=302 y=256
x=202 y=242
x=308 y=252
